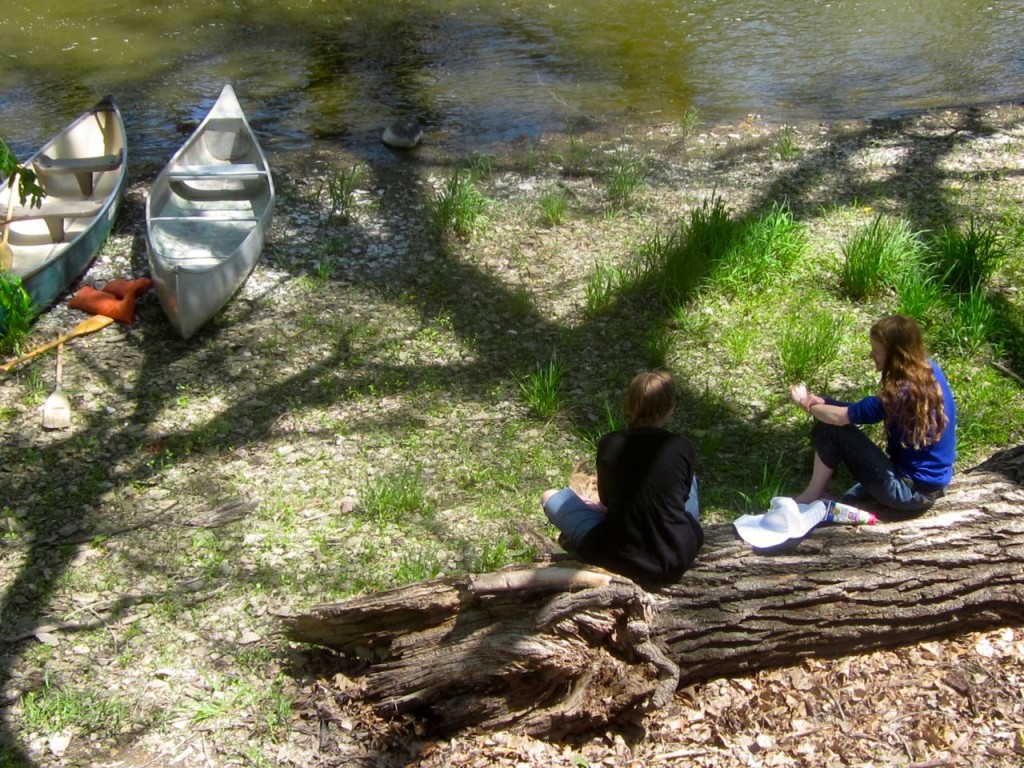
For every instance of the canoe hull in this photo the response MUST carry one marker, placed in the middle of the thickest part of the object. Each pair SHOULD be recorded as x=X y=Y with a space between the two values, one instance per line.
x=48 y=265
x=207 y=216
x=191 y=298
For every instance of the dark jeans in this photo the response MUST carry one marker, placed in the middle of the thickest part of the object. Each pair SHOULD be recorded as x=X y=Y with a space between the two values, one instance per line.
x=877 y=477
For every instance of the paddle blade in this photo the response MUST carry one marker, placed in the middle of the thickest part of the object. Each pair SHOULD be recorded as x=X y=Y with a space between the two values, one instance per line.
x=57 y=411
x=57 y=408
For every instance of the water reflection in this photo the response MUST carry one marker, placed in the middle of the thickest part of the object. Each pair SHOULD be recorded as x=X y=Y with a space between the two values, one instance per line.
x=491 y=70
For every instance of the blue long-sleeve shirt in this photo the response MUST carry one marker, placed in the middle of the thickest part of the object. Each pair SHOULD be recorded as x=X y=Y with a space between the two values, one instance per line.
x=930 y=465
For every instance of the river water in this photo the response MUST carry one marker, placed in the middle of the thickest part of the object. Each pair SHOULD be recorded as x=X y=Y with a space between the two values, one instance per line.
x=477 y=73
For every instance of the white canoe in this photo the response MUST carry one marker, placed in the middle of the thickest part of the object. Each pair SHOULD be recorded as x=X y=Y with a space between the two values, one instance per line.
x=207 y=216
x=83 y=170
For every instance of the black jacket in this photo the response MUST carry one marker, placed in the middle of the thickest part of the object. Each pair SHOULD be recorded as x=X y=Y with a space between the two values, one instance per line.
x=644 y=477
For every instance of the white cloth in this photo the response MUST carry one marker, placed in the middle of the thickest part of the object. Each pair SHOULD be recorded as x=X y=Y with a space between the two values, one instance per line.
x=784 y=520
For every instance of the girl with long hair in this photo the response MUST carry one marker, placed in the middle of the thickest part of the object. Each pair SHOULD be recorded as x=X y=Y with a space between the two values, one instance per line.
x=915 y=403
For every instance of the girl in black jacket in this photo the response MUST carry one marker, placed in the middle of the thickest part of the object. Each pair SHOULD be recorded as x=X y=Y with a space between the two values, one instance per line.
x=645 y=525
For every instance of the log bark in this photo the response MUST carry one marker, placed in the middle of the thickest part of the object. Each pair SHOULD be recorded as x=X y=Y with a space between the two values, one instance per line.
x=560 y=648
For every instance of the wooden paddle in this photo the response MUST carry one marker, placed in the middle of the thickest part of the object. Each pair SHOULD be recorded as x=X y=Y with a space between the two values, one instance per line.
x=89 y=325
x=6 y=254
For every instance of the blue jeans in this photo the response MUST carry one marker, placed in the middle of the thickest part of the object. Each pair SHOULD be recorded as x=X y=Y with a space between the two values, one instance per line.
x=876 y=475
x=575 y=518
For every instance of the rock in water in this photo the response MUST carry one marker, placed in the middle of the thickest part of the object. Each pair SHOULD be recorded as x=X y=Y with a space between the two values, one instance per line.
x=403 y=134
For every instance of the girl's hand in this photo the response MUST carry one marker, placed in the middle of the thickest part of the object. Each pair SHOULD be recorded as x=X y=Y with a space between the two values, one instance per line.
x=803 y=398
x=799 y=394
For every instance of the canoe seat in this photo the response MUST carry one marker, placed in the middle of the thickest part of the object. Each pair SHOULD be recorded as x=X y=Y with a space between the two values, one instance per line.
x=48 y=166
x=207 y=219
x=56 y=212
x=82 y=167
x=225 y=171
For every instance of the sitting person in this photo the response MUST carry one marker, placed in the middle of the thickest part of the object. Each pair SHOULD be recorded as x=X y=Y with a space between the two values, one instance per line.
x=646 y=525
x=916 y=404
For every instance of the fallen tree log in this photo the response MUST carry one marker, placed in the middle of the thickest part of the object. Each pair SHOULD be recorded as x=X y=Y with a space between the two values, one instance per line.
x=561 y=648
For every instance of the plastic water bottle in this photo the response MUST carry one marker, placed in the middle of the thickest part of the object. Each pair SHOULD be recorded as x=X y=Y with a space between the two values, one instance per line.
x=844 y=513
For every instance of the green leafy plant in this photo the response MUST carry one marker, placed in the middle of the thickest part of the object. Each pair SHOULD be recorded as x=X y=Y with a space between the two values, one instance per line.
x=29 y=189
x=16 y=314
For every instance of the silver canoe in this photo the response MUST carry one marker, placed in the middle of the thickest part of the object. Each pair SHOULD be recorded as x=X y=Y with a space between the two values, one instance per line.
x=83 y=170
x=207 y=216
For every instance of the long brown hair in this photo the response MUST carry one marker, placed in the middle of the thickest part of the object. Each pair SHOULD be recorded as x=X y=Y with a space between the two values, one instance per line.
x=909 y=391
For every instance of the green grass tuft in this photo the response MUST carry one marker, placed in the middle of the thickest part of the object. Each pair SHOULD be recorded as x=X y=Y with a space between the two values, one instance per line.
x=919 y=295
x=605 y=286
x=542 y=389
x=876 y=255
x=785 y=146
x=966 y=260
x=657 y=344
x=52 y=709
x=458 y=208
x=810 y=345
x=776 y=480
x=762 y=252
x=339 y=188
x=969 y=326
x=576 y=161
x=690 y=122
x=624 y=177
x=681 y=262
x=554 y=205
x=394 y=497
